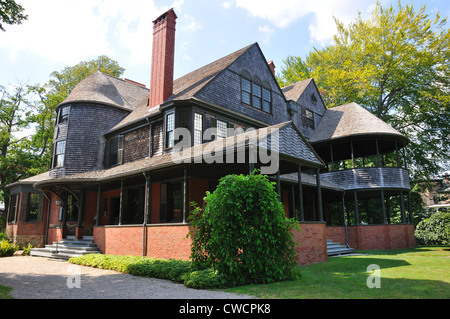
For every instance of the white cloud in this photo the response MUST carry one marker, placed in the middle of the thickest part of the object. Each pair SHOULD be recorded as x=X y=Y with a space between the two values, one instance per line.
x=70 y=31
x=191 y=24
x=266 y=32
x=322 y=27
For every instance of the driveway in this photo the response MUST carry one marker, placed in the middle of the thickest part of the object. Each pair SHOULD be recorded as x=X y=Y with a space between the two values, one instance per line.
x=42 y=278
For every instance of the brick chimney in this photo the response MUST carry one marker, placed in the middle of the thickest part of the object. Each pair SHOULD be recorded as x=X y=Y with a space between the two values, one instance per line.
x=163 y=53
x=271 y=66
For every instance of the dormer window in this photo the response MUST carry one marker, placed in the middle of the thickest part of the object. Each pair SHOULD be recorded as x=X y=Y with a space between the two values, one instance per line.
x=256 y=93
x=308 y=117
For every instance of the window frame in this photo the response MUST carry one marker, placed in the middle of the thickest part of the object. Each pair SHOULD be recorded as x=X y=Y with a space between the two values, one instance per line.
x=198 y=128
x=63 y=117
x=57 y=155
x=169 y=134
x=308 y=120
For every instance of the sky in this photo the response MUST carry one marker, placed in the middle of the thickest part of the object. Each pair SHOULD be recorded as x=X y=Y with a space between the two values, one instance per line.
x=60 y=33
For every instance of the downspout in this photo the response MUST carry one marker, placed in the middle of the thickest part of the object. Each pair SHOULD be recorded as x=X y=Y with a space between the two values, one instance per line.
x=48 y=218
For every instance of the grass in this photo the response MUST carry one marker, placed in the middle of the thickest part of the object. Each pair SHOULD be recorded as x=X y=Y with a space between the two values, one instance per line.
x=418 y=273
x=5 y=292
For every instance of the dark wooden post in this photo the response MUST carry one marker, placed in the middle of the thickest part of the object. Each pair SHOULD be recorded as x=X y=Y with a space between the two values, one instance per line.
x=402 y=208
x=79 y=231
x=319 y=196
x=383 y=207
x=355 y=196
x=121 y=202
x=278 y=184
x=97 y=216
x=300 y=194
x=185 y=196
x=294 y=215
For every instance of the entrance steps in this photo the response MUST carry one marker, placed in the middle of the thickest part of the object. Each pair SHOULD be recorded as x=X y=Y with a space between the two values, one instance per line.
x=334 y=248
x=67 y=248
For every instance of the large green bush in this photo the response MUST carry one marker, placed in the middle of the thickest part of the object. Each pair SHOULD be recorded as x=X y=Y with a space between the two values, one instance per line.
x=242 y=232
x=434 y=230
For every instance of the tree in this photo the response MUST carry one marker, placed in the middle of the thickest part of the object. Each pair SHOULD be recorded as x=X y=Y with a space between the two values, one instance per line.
x=243 y=233
x=11 y=13
x=33 y=107
x=396 y=65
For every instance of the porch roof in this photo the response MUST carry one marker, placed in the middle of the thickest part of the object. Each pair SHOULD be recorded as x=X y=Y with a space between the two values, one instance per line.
x=292 y=148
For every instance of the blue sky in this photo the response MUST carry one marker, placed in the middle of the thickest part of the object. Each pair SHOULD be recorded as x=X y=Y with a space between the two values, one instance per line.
x=60 y=33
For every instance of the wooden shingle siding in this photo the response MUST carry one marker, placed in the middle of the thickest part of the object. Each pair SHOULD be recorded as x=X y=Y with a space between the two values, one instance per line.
x=136 y=144
x=83 y=134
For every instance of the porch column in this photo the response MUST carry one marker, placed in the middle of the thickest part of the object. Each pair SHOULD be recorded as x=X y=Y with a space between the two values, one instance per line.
x=64 y=215
x=185 y=196
x=278 y=184
x=319 y=196
x=402 y=208
x=148 y=197
x=411 y=217
x=79 y=230
x=121 y=202
x=300 y=194
x=383 y=207
x=355 y=196
x=294 y=215
x=97 y=215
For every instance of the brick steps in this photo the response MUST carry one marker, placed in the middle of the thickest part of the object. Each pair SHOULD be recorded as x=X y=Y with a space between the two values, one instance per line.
x=334 y=249
x=67 y=248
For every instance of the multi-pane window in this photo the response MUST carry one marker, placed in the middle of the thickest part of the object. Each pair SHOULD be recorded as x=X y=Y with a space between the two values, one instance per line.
x=170 y=127
x=256 y=94
x=198 y=128
x=33 y=207
x=60 y=149
x=13 y=207
x=267 y=100
x=246 y=90
x=114 y=151
x=63 y=114
x=221 y=129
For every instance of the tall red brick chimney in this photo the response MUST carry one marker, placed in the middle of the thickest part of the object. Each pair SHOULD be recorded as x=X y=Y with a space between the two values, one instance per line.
x=163 y=54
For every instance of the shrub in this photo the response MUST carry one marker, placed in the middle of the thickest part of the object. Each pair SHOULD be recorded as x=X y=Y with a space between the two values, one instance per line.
x=434 y=230
x=7 y=249
x=243 y=233
x=172 y=269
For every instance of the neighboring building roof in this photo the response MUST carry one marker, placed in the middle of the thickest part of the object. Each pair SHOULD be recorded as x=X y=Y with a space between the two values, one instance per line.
x=105 y=89
x=351 y=120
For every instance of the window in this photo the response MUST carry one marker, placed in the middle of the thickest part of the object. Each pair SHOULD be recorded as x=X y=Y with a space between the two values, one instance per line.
x=246 y=88
x=171 y=202
x=33 y=207
x=13 y=205
x=256 y=94
x=170 y=126
x=267 y=98
x=60 y=150
x=114 y=151
x=221 y=129
x=313 y=98
x=63 y=114
x=308 y=118
x=198 y=128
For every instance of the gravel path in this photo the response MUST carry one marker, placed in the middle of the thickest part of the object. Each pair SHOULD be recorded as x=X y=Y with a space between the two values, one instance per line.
x=42 y=278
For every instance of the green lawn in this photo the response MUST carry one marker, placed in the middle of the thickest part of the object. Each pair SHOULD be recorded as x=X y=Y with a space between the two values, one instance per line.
x=422 y=272
x=4 y=292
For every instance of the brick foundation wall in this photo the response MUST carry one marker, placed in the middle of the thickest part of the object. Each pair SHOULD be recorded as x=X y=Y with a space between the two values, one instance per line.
x=371 y=237
x=312 y=240
x=163 y=241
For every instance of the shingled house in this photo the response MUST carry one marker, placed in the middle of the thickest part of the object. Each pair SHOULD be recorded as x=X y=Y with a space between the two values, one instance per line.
x=115 y=180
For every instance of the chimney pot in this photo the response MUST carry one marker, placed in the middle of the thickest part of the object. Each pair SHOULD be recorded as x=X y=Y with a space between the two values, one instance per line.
x=271 y=66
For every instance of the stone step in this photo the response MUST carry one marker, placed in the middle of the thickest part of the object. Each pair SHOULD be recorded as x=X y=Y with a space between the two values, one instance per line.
x=334 y=248
x=67 y=248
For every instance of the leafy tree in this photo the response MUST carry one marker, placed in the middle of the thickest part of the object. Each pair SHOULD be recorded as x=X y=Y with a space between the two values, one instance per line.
x=11 y=13
x=396 y=65
x=33 y=107
x=243 y=233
